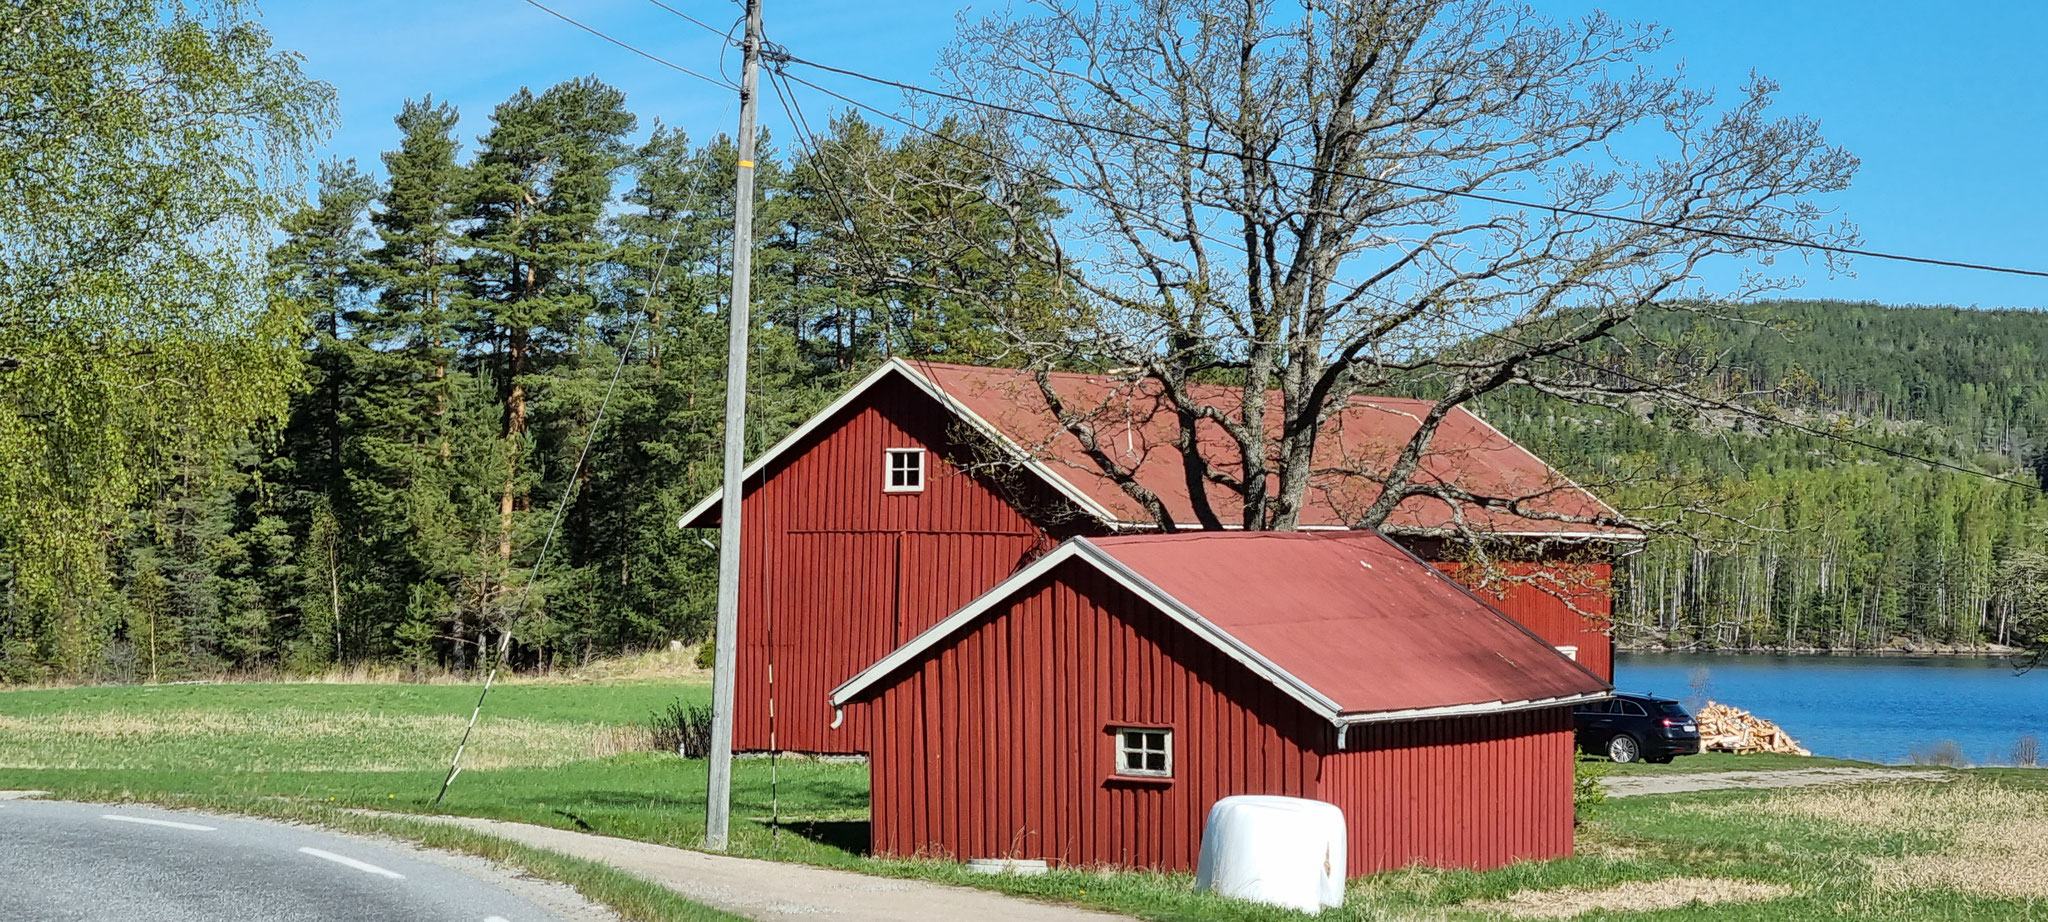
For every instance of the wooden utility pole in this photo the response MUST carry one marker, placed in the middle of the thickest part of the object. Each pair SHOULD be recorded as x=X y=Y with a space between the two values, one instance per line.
x=718 y=809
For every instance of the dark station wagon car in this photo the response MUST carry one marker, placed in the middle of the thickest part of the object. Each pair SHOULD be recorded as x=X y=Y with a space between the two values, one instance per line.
x=1630 y=727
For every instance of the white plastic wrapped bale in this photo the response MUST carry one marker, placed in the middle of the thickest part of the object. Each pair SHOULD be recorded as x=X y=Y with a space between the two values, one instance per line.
x=1282 y=851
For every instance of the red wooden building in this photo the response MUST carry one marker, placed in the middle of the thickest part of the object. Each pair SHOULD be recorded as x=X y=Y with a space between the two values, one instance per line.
x=1091 y=708
x=925 y=484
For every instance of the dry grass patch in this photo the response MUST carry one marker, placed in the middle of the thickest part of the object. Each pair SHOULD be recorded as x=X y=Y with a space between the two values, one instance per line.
x=1643 y=896
x=297 y=740
x=1993 y=840
x=1892 y=808
x=657 y=665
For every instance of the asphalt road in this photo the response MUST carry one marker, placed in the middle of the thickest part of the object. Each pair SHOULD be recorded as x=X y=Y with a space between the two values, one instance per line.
x=67 y=862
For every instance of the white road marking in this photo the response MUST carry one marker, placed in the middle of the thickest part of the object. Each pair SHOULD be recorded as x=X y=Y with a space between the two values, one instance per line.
x=146 y=821
x=496 y=919
x=351 y=862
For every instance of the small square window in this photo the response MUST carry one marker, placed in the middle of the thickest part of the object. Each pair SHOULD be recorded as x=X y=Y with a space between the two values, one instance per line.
x=1145 y=752
x=1570 y=651
x=903 y=470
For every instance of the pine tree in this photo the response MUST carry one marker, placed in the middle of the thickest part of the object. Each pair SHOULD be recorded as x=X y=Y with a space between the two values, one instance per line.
x=540 y=186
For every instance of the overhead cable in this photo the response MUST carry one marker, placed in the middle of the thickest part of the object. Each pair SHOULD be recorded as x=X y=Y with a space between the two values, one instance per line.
x=1474 y=329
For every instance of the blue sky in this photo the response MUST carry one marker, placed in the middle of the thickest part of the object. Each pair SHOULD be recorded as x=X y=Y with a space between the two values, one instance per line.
x=1946 y=103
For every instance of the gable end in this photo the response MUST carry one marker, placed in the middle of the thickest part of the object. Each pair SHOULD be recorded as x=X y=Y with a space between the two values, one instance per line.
x=701 y=515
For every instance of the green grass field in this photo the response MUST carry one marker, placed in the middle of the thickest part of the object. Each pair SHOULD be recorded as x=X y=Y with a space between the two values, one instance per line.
x=564 y=754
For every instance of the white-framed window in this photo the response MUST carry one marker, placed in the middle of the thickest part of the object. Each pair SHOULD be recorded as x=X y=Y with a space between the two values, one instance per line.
x=903 y=470
x=1570 y=651
x=1145 y=752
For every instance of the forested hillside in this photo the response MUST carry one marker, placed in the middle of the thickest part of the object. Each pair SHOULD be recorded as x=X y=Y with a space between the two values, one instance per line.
x=1842 y=546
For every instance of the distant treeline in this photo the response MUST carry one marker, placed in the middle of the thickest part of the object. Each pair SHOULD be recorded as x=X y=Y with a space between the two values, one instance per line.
x=1842 y=547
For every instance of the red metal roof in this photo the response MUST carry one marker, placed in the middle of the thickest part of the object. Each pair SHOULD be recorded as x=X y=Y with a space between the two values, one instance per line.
x=1347 y=622
x=1361 y=440
x=1355 y=617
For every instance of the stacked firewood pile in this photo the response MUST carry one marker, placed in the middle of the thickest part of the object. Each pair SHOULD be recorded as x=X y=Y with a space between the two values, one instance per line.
x=1729 y=729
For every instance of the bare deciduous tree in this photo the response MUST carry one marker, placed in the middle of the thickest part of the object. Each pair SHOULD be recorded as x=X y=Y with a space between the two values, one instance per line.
x=1282 y=196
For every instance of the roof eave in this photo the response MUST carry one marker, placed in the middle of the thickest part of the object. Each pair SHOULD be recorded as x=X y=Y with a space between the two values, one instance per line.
x=1406 y=532
x=1467 y=710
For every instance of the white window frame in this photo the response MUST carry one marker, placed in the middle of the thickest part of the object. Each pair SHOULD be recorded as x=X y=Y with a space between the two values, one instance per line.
x=889 y=469
x=1123 y=751
x=1570 y=651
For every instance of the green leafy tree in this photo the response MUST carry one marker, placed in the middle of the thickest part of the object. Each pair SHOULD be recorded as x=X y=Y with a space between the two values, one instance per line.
x=146 y=152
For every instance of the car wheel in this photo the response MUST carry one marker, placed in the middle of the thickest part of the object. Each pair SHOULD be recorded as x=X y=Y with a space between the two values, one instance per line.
x=1624 y=748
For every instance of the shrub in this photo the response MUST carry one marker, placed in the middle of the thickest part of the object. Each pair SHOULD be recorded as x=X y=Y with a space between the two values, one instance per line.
x=1587 y=791
x=2026 y=751
x=685 y=731
x=707 y=654
x=1946 y=753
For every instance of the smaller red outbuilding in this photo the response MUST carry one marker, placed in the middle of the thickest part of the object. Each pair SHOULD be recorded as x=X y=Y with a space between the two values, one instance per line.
x=1093 y=706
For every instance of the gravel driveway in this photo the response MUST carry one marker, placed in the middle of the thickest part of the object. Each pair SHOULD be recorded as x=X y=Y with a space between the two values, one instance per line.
x=1679 y=783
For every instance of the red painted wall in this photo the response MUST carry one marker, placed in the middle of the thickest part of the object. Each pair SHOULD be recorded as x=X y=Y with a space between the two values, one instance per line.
x=836 y=573
x=1475 y=792
x=1535 y=604
x=997 y=744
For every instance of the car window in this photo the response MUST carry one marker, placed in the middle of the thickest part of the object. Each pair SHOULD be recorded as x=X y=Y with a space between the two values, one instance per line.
x=1598 y=707
x=1633 y=709
x=1673 y=709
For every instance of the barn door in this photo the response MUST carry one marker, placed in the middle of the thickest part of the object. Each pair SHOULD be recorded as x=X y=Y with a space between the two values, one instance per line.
x=833 y=617
x=937 y=574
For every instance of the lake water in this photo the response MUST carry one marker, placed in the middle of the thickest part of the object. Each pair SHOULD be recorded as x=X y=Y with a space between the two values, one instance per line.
x=1878 y=709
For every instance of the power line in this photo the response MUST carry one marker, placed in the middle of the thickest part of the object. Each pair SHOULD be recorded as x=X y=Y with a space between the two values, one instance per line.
x=694 y=200
x=805 y=136
x=1424 y=188
x=1481 y=331
x=699 y=23
x=671 y=65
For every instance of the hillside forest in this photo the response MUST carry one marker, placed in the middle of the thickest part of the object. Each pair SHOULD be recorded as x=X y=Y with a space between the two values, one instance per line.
x=470 y=304
x=1831 y=545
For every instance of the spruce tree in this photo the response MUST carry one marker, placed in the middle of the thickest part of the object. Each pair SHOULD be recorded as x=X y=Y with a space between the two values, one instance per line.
x=316 y=270
x=406 y=486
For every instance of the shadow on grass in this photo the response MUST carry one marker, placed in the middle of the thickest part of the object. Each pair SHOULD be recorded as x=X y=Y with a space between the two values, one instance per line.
x=850 y=836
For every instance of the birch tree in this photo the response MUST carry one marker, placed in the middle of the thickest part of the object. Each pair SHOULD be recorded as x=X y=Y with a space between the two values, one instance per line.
x=146 y=152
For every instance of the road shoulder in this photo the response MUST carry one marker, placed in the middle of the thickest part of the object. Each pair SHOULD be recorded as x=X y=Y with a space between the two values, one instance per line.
x=778 y=891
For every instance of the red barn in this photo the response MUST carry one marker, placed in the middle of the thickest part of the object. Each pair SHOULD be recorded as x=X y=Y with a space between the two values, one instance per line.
x=1091 y=708
x=925 y=484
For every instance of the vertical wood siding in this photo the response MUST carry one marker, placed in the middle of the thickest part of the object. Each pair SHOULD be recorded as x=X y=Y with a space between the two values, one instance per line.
x=998 y=744
x=836 y=573
x=839 y=573
x=1553 y=620
x=1475 y=792
x=1530 y=596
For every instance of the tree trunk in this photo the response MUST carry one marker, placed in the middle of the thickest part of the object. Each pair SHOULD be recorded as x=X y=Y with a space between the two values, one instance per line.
x=515 y=426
